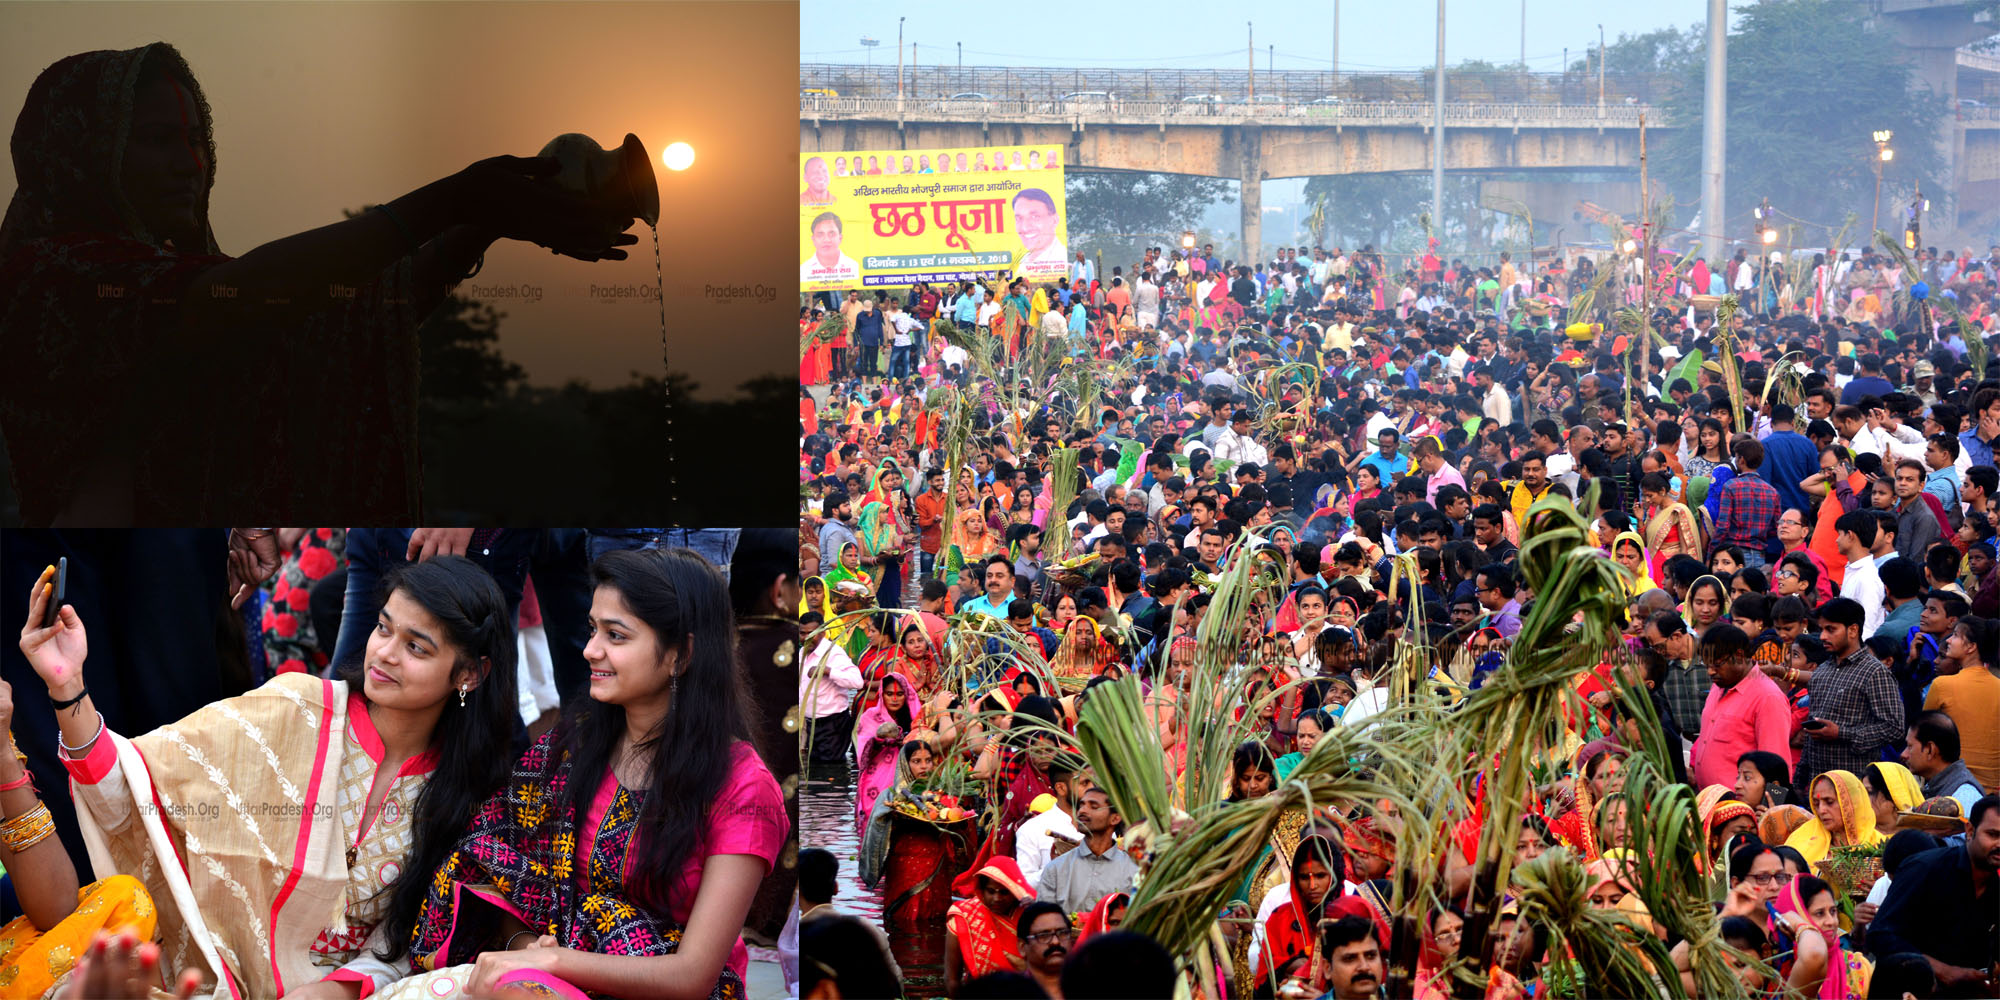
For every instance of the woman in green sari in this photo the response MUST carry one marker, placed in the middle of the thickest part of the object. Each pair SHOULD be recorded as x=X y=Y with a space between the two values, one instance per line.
x=849 y=588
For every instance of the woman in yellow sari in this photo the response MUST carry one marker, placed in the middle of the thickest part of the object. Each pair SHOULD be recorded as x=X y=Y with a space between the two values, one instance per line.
x=1084 y=652
x=1892 y=789
x=61 y=918
x=1670 y=526
x=1841 y=818
x=1629 y=551
x=974 y=539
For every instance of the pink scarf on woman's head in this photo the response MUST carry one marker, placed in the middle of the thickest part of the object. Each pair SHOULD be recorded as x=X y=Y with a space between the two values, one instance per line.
x=1836 y=985
x=877 y=757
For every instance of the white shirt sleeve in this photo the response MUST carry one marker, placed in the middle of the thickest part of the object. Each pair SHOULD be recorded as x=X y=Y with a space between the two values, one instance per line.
x=108 y=800
x=1031 y=847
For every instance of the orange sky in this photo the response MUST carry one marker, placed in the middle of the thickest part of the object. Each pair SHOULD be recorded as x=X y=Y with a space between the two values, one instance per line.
x=324 y=106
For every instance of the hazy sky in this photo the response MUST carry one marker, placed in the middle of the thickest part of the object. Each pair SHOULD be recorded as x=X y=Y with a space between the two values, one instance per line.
x=1376 y=34
x=320 y=107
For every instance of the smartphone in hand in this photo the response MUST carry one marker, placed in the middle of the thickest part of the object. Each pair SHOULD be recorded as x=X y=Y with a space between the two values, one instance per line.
x=53 y=612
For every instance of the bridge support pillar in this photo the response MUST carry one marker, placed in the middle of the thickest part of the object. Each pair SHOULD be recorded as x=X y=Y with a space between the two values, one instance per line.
x=1252 y=195
x=1929 y=37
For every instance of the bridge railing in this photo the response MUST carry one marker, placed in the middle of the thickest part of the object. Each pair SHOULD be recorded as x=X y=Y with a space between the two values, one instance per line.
x=1108 y=111
x=1978 y=116
x=932 y=80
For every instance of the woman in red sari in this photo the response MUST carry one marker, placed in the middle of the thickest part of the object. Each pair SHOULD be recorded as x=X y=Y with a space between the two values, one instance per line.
x=116 y=164
x=1293 y=929
x=913 y=861
x=917 y=660
x=816 y=359
x=979 y=934
x=1108 y=915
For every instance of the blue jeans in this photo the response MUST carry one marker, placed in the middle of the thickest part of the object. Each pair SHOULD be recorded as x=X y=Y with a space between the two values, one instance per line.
x=717 y=545
x=901 y=360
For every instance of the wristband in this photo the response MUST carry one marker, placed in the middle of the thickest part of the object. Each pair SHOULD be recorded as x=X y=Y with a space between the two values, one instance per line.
x=70 y=702
x=26 y=778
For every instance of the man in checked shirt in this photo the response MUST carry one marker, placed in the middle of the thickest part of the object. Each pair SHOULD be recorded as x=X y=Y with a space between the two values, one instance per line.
x=1856 y=709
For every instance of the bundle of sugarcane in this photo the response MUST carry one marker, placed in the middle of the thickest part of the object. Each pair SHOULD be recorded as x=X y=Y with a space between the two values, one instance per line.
x=1063 y=473
x=828 y=329
x=1270 y=417
x=953 y=409
x=1975 y=340
x=1725 y=355
x=1785 y=381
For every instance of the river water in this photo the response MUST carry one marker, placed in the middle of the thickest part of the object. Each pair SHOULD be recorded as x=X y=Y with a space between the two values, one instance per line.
x=826 y=813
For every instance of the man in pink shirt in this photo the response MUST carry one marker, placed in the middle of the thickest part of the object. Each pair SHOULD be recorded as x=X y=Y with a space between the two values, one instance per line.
x=1745 y=711
x=1438 y=472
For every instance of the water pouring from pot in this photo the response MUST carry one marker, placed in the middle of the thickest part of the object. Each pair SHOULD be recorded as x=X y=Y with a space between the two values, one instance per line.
x=618 y=181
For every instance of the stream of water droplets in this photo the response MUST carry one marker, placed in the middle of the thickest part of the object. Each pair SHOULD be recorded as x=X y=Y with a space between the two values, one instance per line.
x=666 y=379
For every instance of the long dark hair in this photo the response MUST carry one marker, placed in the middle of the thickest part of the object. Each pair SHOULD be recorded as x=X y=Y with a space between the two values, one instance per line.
x=681 y=597
x=474 y=743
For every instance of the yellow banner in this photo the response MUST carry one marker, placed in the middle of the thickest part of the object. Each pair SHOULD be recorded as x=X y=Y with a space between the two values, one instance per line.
x=899 y=217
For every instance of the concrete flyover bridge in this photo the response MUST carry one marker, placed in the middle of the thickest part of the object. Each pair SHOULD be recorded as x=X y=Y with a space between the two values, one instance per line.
x=1248 y=140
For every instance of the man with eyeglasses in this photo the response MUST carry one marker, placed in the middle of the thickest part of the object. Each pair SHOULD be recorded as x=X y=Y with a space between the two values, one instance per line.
x=1685 y=687
x=1494 y=588
x=1046 y=938
x=1793 y=535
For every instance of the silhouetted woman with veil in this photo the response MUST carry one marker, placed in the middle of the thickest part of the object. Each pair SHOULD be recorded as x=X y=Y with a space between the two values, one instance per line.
x=146 y=376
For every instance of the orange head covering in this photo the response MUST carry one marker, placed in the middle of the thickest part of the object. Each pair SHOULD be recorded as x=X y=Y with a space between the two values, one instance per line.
x=1780 y=823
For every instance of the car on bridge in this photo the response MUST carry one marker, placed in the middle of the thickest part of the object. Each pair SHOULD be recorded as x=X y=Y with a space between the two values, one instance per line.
x=968 y=103
x=1262 y=104
x=1079 y=102
x=1199 y=104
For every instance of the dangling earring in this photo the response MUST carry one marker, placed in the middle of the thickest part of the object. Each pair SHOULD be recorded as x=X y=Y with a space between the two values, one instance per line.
x=674 y=687
x=461 y=695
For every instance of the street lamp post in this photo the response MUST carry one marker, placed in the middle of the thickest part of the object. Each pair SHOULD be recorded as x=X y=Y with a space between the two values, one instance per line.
x=868 y=44
x=899 y=64
x=1883 y=154
x=1600 y=69
x=1767 y=235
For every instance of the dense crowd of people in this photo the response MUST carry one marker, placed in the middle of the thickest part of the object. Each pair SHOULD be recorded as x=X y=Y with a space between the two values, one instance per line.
x=1797 y=484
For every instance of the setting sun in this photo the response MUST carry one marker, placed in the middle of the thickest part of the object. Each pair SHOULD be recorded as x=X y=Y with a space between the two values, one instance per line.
x=678 y=156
